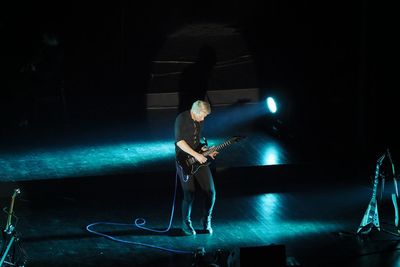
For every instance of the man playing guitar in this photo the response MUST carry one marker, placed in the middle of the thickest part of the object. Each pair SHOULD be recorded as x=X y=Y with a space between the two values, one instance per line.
x=188 y=127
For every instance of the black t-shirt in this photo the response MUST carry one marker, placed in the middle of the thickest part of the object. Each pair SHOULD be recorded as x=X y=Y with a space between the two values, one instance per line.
x=187 y=129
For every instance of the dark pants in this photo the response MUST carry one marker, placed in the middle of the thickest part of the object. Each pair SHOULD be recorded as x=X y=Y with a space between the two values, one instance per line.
x=204 y=179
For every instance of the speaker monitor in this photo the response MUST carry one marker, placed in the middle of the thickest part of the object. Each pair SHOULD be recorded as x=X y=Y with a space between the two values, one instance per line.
x=271 y=256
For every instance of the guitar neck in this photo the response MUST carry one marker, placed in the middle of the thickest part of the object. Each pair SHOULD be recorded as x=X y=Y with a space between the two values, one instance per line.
x=216 y=148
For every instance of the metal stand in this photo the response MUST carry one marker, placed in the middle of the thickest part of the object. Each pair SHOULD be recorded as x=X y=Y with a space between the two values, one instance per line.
x=370 y=219
x=7 y=250
x=11 y=240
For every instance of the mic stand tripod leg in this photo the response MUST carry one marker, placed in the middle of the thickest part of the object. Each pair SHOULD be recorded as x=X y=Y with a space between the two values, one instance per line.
x=10 y=243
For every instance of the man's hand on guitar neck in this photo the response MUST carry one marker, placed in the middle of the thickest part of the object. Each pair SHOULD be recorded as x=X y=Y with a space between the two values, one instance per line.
x=213 y=154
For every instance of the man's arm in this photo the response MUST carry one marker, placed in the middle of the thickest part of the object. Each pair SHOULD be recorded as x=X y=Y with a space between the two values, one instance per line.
x=186 y=148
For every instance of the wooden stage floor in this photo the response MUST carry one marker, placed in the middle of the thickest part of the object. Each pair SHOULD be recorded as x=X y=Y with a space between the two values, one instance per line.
x=269 y=193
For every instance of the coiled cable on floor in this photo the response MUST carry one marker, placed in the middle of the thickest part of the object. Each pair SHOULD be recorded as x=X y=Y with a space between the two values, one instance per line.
x=139 y=223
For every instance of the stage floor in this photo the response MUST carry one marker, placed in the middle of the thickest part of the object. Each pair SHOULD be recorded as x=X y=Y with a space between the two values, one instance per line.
x=268 y=193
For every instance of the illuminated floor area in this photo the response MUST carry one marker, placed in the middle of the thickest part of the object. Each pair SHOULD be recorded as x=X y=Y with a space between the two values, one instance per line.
x=128 y=147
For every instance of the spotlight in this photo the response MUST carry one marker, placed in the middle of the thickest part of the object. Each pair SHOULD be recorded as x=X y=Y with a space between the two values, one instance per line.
x=271 y=105
x=276 y=116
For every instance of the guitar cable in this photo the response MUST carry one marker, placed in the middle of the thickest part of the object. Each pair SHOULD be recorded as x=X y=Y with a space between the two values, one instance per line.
x=140 y=223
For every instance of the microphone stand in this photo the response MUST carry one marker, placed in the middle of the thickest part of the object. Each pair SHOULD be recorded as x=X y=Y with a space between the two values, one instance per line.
x=10 y=236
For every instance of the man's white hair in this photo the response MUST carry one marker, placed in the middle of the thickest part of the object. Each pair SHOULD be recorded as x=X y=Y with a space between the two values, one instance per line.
x=201 y=106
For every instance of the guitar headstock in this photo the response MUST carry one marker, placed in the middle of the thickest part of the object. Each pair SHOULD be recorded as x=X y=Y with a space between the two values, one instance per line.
x=236 y=138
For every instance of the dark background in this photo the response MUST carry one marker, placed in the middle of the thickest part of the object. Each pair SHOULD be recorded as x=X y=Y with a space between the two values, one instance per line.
x=68 y=65
x=334 y=59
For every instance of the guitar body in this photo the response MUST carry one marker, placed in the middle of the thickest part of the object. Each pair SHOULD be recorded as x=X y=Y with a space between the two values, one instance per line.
x=189 y=165
x=370 y=219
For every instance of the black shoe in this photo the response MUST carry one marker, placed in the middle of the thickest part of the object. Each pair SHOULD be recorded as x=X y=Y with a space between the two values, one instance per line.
x=187 y=227
x=206 y=222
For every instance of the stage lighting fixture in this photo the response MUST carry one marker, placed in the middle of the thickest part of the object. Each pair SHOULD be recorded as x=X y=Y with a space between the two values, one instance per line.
x=275 y=114
x=271 y=105
x=278 y=106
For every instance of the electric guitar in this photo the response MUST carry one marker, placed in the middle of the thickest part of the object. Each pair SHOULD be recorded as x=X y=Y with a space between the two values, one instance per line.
x=371 y=216
x=190 y=165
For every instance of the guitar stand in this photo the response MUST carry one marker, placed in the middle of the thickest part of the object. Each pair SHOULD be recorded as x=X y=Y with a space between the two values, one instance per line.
x=10 y=245
x=370 y=219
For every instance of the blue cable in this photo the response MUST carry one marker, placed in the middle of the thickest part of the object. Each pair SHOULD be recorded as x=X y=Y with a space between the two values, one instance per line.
x=139 y=223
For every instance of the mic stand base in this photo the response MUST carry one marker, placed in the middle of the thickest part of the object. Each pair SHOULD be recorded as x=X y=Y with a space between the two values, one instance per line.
x=10 y=241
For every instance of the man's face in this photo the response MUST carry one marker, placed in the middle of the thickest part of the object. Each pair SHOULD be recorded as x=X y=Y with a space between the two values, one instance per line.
x=200 y=116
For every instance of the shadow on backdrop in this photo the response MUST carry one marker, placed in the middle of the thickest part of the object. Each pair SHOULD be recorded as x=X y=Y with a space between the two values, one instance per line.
x=194 y=81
